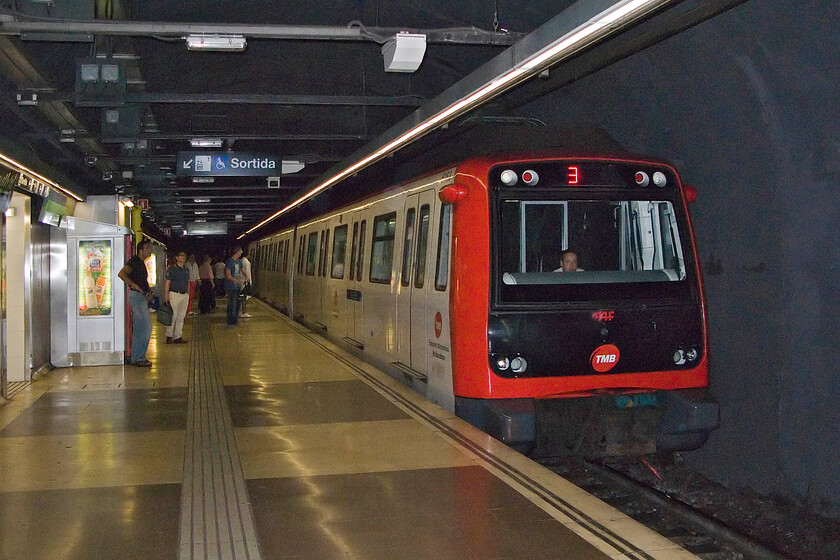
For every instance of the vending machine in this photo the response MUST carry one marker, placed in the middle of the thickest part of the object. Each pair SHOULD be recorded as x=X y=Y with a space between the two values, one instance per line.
x=89 y=310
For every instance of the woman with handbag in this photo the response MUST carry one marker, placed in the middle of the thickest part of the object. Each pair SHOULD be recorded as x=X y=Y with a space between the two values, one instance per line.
x=176 y=292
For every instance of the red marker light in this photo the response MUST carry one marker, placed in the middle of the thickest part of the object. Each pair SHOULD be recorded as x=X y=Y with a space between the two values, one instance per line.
x=530 y=177
x=573 y=174
x=690 y=193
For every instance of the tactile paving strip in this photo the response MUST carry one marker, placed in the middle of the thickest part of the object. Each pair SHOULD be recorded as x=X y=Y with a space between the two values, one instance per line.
x=216 y=517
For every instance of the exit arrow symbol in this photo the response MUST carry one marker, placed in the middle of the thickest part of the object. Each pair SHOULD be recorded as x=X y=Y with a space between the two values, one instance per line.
x=188 y=164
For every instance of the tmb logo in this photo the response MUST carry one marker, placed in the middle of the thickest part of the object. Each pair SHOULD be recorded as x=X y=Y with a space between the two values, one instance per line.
x=604 y=358
x=438 y=324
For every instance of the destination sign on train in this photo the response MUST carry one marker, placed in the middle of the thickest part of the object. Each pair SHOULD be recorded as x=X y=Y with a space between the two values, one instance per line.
x=228 y=164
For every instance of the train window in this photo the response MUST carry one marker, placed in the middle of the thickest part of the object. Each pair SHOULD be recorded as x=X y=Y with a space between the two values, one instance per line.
x=360 y=259
x=382 y=248
x=339 y=251
x=326 y=251
x=408 y=245
x=311 y=253
x=422 y=247
x=322 y=259
x=442 y=274
x=286 y=254
x=301 y=251
x=280 y=254
x=353 y=251
x=614 y=241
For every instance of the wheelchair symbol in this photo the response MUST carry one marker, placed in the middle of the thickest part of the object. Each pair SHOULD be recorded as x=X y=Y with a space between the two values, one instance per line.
x=220 y=163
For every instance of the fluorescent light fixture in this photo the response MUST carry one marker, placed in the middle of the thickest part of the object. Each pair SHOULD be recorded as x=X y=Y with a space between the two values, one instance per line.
x=201 y=200
x=203 y=179
x=28 y=172
x=588 y=33
x=220 y=43
x=206 y=142
x=201 y=212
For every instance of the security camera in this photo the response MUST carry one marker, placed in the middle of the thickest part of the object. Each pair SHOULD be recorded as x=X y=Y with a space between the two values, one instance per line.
x=91 y=160
x=107 y=176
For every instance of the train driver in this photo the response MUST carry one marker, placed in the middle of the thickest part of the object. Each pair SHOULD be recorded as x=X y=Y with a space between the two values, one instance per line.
x=568 y=262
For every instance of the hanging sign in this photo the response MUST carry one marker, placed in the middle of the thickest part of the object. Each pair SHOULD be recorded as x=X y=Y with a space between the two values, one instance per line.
x=228 y=164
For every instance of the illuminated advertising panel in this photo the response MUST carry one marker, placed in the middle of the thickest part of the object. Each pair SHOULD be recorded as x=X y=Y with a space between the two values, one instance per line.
x=94 y=278
x=151 y=270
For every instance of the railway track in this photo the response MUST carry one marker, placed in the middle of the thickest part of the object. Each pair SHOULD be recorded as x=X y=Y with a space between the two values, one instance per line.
x=698 y=533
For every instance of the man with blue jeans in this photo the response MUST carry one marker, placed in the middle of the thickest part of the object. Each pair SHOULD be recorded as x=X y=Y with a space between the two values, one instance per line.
x=134 y=276
x=234 y=280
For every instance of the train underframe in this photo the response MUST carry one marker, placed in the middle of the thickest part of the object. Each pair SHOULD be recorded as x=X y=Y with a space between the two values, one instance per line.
x=597 y=426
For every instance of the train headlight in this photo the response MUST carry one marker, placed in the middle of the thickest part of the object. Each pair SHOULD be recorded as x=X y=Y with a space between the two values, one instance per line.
x=659 y=179
x=503 y=364
x=509 y=177
x=686 y=356
x=518 y=364
x=642 y=179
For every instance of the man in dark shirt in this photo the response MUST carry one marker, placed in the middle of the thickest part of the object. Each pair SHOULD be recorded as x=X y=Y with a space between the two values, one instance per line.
x=176 y=292
x=235 y=279
x=134 y=276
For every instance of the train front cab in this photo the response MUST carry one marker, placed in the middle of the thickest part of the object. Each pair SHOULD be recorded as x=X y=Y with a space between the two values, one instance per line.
x=608 y=359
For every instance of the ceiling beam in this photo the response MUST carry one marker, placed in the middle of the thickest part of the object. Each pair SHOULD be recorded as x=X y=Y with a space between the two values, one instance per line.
x=250 y=99
x=230 y=136
x=450 y=36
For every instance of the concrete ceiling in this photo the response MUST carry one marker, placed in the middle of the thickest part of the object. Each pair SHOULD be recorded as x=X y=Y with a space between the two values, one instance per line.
x=309 y=87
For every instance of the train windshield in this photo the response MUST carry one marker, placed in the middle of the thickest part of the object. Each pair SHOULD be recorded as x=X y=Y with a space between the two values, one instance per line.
x=567 y=249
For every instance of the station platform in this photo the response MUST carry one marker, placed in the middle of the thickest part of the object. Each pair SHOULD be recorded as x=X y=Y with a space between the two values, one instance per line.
x=264 y=440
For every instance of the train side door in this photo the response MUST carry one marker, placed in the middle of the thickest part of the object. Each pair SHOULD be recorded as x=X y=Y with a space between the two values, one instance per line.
x=422 y=321
x=354 y=295
x=404 y=292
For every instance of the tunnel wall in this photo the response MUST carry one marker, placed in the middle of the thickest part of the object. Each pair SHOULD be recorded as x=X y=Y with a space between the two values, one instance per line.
x=747 y=107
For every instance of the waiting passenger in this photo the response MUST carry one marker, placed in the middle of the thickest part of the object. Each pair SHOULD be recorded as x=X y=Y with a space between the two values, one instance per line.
x=568 y=262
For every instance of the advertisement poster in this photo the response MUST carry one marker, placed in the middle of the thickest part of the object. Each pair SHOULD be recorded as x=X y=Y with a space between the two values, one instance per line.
x=94 y=278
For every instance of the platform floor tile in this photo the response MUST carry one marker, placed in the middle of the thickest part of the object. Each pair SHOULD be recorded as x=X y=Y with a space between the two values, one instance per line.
x=90 y=460
x=351 y=447
x=119 y=523
x=97 y=411
x=448 y=513
x=308 y=403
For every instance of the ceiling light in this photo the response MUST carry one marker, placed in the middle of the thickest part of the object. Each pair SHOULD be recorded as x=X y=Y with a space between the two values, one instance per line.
x=15 y=166
x=201 y=200
x=206 y=142
x=222 y=43
x=203 y=179
x=201 y=212
x=290 y=166
x=404 y=52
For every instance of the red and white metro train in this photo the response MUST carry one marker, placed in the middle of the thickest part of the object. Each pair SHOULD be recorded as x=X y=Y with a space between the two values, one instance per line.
x=453 y=283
